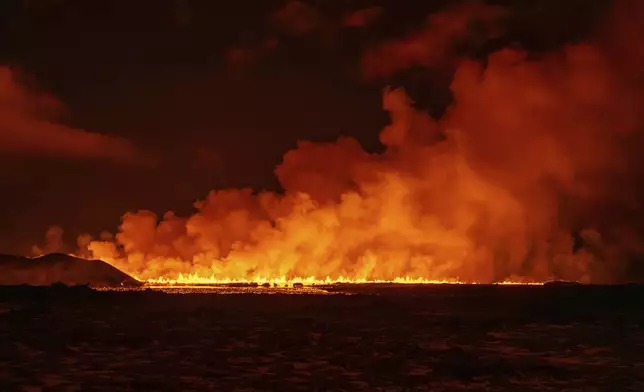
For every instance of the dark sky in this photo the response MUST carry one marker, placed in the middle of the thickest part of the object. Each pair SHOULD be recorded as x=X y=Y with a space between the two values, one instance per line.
x=214 y=92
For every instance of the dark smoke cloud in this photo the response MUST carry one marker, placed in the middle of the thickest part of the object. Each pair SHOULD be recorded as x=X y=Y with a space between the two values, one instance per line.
x=53 y=242
x=434 y=45
x=362 y=17
x=27 y=127
x=297 y=18
x=243 y=56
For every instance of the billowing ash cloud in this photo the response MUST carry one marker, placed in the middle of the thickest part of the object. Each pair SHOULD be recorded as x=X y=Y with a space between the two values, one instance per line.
x=27 y=127
x=532 y=173
x=432 y=46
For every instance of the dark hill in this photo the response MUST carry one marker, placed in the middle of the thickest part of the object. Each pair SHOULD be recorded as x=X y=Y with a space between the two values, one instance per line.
x=61 y=268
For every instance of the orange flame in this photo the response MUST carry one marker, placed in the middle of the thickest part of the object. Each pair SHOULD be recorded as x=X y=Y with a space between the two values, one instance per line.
x=283 y=281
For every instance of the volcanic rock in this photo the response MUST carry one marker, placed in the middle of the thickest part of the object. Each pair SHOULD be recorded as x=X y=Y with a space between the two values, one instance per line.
x=60 y=268
x=243 y=284
x=562 y=283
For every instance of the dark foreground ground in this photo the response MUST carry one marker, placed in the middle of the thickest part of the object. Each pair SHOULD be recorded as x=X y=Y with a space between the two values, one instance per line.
x=436 y=338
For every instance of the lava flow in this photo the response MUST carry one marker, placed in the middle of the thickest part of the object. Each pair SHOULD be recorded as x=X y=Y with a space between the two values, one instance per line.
x=284 y=281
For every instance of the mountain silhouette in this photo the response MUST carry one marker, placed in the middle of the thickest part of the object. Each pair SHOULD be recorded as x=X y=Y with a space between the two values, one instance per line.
x=61 y=268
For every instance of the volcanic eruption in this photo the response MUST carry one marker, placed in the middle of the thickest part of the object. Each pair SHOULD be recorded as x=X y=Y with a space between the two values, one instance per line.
x=531 y=174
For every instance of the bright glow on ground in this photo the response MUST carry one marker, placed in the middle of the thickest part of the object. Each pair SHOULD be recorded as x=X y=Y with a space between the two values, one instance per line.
x=308 y=281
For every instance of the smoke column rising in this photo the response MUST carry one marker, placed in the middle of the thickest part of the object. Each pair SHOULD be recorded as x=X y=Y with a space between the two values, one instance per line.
x=532 y=173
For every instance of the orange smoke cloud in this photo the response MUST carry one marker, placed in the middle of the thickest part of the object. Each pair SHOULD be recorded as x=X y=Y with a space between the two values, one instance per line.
x=26 y=128
x=433 y=45
x=530 y=174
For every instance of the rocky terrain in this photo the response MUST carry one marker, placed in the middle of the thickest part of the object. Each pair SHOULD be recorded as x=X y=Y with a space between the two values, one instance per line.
x=61 y=268
x=363 y=338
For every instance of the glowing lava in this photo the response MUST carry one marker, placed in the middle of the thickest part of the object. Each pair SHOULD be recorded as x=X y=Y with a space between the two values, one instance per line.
x=193 y=279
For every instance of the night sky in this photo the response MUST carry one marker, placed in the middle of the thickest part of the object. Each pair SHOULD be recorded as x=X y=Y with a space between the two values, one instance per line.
x=211 y=94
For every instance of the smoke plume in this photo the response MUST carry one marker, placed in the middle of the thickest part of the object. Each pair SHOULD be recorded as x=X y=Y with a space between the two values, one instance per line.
x=27 y=128
x=54 y=242
x=531 y=174
x=435 y=45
